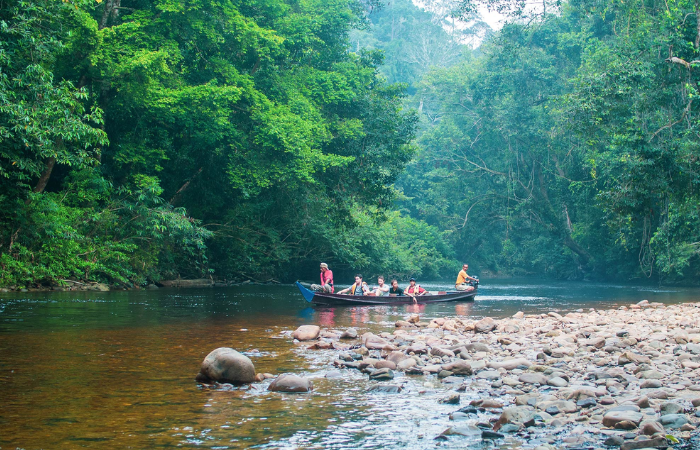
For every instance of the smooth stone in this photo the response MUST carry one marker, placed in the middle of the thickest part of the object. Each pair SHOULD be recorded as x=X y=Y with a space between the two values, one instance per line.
x=489 y=375
x=612 y=418
x=586 y=403
x=290 y=383
x=509 y=364
x=515 y=415
x=487 y=434
x=650 y=427
x=485 y=325
x=226 y=365
x=350 y=333
x=532 y=378
x=649 y=443
x=406 y=364
x=509 y=428
x=382 y=374
x=670 y=408
x=673 y=421
x=650 y=375
x=385 y=364
x=385 y=389
x=557 y=382
x=452 y=399
x=459 y=367
x=306 y=332
x=462 y=430
x=650 y=384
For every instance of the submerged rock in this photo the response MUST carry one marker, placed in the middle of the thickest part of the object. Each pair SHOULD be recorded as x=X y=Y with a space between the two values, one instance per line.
x=290 y=383
x=226 y=365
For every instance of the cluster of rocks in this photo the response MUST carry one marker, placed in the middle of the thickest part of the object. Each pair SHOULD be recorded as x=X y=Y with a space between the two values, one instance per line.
x=628 y=378
x=228 y=366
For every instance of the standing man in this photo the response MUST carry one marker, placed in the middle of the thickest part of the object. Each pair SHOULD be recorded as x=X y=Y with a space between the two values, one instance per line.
x=326 y=280
x=462 y=277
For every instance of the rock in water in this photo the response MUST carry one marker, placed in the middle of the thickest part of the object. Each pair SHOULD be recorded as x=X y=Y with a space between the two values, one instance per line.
x=306 y=332
x=290 y=383
x=226 y=365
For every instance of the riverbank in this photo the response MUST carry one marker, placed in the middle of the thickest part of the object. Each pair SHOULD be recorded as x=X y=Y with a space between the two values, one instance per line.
x=627 y=377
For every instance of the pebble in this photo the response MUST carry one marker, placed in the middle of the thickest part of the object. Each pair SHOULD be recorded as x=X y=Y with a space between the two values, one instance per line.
x=576 y=379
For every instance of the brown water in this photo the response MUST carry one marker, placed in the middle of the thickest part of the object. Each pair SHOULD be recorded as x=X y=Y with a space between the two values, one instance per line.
x=116 y=369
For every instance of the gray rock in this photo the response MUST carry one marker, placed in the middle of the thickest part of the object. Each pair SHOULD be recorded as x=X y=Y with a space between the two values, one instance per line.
x=670 y=408
x=406 y=364
x=485 y=325
x=462 y=430
x=649 y=443
x=489 y=375
x=673 y=421
x=350 y=333
x=612 y=418
x=650 y=375
x=557 y=382
x=477 y=347
x=650 y=384
x=459 y=367
x=532 y=378
x=452 y=399
x=226 y=365
x=586 y=403
x=516 y=415
x=382 y=374
x=650 y=427
x=290 y=383
x=385 y=389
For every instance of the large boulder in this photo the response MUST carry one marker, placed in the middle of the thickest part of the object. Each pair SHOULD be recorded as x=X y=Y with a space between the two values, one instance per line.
x=306 y=332
x=226 y=365
x=288 y=382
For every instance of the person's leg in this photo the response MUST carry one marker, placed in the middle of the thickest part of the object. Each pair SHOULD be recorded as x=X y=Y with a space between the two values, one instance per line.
x=327 y=288
x=316 y=287
x=461 y=287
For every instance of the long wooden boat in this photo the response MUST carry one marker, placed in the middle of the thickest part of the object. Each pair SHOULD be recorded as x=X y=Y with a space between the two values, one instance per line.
x=324 y=298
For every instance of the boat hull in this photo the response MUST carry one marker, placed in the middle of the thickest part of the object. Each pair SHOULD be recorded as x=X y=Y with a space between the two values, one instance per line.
x=323 y=298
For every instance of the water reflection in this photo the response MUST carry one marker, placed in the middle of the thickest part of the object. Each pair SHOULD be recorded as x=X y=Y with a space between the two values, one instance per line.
x=116 y=369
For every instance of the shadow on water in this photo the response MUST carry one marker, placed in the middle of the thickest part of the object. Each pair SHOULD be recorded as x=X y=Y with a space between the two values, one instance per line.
x=116 y=369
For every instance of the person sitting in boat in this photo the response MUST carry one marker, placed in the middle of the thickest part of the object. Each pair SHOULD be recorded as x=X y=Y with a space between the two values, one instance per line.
x=462 y=277
x=359 y=287
x=395 y=289
x=381 y=289
x=326 y=280
x=414 y=290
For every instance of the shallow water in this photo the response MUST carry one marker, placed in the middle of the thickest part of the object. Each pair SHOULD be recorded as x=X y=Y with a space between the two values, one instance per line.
x=116 y=369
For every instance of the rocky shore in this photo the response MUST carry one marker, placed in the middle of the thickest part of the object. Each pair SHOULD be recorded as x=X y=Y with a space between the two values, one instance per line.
x=626 y=378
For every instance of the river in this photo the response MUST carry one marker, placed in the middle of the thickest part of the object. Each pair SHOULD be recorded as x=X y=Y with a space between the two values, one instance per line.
x=116 y=369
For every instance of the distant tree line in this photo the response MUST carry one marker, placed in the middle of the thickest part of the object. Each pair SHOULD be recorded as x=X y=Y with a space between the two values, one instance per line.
x=143 y=140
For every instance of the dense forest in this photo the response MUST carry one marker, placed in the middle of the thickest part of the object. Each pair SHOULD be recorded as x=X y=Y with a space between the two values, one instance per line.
x=143 y=140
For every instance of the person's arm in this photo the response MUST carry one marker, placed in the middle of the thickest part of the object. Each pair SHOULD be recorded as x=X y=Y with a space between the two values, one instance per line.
x=329 y=277
x=345 y=291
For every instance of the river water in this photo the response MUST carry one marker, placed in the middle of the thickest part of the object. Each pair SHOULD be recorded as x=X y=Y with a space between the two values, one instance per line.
x=116 y=369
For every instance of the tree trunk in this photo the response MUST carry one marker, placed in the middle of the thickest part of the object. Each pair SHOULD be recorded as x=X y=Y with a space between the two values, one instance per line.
x=44 y=179
x=697 y=24
x=178 y=195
